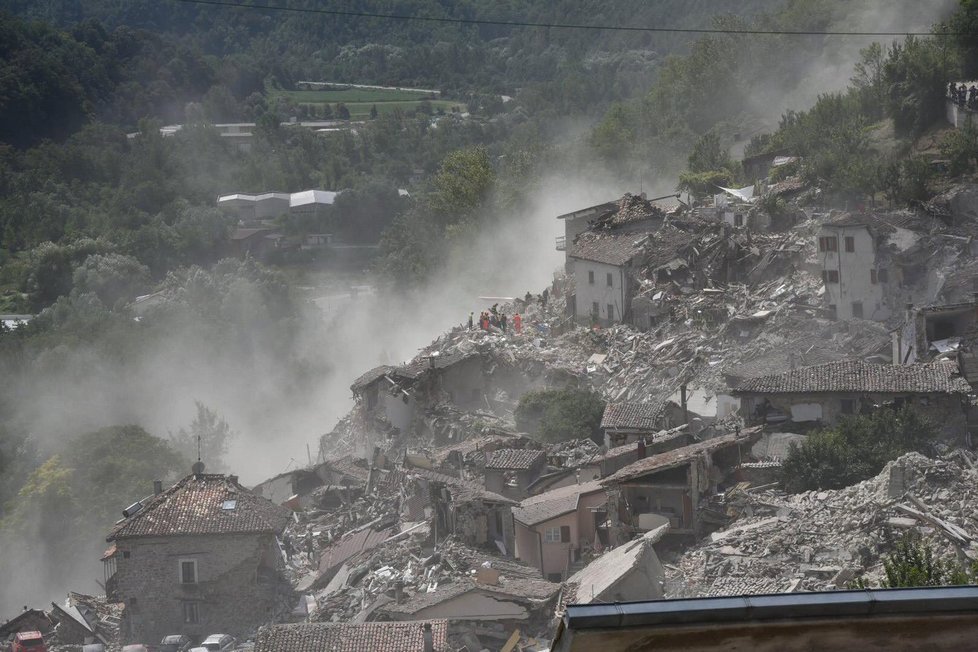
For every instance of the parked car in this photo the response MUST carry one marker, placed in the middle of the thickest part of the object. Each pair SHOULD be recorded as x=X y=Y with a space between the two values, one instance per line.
x=219 y=643
x=93 y=647
x=175 y=643
x=29 y=642
x=138 y=647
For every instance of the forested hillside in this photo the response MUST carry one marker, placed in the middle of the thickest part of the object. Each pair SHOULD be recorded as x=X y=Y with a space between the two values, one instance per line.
x=98 y=207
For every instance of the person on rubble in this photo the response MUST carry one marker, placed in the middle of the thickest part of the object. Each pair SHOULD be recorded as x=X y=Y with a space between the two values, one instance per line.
x=471 y=315
x=545 y=297
x=309 y=542
x=952 y=91
x=287 y=546
x=528 y=298
x=502 y=321
x=972 y=97
x=518 y=323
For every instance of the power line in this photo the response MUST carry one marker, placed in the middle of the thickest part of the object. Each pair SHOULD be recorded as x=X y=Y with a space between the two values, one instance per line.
x=514 y=23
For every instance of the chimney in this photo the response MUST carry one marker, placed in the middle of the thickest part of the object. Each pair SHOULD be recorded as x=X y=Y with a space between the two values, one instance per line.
x=157 y=487
x=640 y=449
x=399 y=591
x=429 y=638
x=682 y=399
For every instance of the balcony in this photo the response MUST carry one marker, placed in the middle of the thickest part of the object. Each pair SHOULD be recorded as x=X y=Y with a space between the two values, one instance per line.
x=561 y=243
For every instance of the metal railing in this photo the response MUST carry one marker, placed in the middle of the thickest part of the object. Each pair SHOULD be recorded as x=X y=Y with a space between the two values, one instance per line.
x=561 y=243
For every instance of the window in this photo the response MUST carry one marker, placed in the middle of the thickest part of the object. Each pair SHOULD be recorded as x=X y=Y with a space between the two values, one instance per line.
x=125 y=554
x=850 y=244
x=595 y=310
x=610 y=281
x=857 y=309
x=828 y=243
x=590 y=276
x=191 y=612
x=830 y=276
x=565 y=534
x=848 y=406
x=611 y=311
x=133 y=605
x=872 y=276
x=188 y=571
x=883 y=275
x=739 y=219
x=552 y=535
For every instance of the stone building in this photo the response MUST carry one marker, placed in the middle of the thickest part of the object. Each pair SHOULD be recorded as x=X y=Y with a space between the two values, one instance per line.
x=199 y=558
x=628 y=423
x=823 y=393
x=509 y=471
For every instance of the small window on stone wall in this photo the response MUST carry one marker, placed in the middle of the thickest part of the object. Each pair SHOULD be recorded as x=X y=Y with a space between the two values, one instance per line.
x=191 y=612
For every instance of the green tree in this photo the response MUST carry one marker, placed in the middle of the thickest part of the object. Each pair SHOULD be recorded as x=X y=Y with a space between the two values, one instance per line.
x=213 y=433
x=373 y=112
x=112 y=277
x=857 y=448
x=462 y=185
x=342 y=112
x=557 y=415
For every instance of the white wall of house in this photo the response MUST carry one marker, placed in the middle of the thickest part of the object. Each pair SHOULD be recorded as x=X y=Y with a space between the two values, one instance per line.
x=602 y=285
x=851 y=278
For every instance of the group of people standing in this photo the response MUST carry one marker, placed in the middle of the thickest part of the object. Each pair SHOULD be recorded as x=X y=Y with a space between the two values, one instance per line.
x=963 y=95
x=495 y=318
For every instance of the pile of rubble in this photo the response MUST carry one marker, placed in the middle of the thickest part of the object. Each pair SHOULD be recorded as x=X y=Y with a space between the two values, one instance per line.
x=822 y=540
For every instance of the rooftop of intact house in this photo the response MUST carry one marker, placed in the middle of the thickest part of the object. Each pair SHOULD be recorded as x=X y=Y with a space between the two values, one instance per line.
x=855 y=376
x=513 y=458
x=637 y=416
x=554 y=503
x=352 y=637
x=201 y=504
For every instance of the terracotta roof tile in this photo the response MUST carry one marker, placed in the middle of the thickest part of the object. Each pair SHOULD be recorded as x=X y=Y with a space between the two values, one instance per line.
x=520 y=589
x=853 y=376
x=203 y=504
x=611 y=249
x=513 y=458
x=349 y=637
x=633 y=416
x=680 y=456
x=554 y=503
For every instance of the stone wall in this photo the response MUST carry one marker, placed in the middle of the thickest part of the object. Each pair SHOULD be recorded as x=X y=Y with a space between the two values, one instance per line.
x=231 y=595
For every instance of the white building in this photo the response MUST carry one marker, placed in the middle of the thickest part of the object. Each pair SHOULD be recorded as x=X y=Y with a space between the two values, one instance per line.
x=269 y=205
x=852 y=277
x=601 y=267
x=576 y=223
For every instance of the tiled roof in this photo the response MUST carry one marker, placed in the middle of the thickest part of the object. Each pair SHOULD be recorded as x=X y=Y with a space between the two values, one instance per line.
x=632 y=416
x=853 y=376
x=366 y=379
x=421 y=364
x=781 y=361
x=350 y=637
x=610 y=249
x=203 y=504
x=680 y=456
x=554 y=503
x=521 y=589
x=513 y=458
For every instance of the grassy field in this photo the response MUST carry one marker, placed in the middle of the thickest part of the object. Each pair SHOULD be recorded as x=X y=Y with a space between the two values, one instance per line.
x=360 y=100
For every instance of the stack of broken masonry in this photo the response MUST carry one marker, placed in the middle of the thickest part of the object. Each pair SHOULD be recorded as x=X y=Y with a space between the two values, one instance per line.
x=822 y=540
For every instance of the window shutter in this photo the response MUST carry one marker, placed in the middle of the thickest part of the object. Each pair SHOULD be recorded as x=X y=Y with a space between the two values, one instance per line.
x=565 y=534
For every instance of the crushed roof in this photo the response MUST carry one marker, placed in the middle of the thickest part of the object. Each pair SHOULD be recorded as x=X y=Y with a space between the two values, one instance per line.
x=351 y=637
x=513 y=458
x=853 y=376
x=680 y=456
x=522 y=588
x=370 y=377
x=553 y=503
x=591 y=583
x=632 y=416
x=353 y=545
x=666 y=245
x=610 y=249
x=462 y=490
x=421 y=364
x=195 y=506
